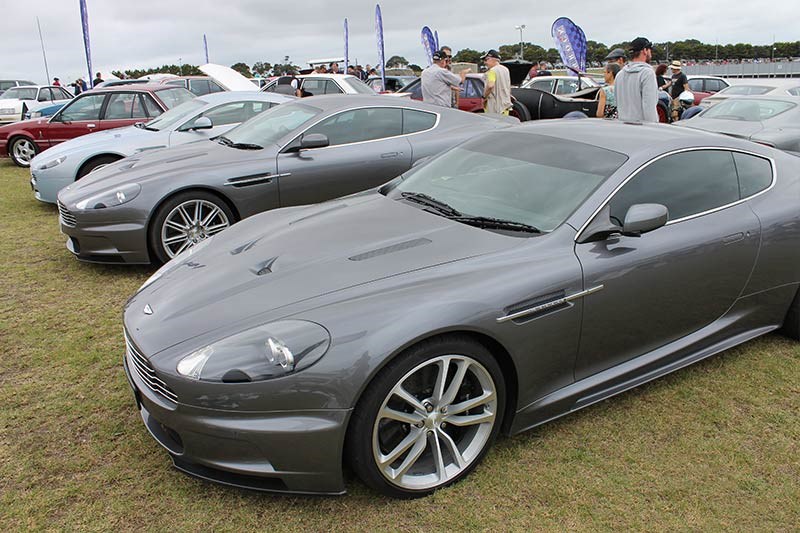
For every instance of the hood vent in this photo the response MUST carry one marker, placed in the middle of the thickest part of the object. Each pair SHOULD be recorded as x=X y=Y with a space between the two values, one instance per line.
x=265 y=267
x=390 y=249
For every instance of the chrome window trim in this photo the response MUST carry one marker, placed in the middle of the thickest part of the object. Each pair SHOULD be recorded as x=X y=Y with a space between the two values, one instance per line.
x=435 y=125
x=696 y=215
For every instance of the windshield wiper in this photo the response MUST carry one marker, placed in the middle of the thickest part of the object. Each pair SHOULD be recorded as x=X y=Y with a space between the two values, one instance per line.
x=495 y=223
x=430 y=201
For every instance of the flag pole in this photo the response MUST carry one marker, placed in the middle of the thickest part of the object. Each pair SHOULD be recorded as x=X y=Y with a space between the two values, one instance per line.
x=44 y=55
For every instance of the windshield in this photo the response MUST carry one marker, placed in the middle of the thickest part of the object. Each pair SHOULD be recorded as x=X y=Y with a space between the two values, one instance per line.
x=747 y=109
x=273 y=124
x=176 y=115
x=359 y=86
x=20 y=93
x=174 y=97
x=747 y=90
x=526 y=178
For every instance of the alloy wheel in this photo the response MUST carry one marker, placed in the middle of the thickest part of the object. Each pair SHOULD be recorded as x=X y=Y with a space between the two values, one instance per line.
x=23 y=151
x=435 y=422
x=190 y=222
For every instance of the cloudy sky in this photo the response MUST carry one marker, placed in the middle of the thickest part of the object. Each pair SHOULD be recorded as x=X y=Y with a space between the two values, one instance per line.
x=150 y=33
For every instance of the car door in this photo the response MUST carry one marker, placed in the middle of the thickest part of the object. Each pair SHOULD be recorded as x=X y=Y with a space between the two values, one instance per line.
x=78 y=117
x=367 y=148
x=655 y=289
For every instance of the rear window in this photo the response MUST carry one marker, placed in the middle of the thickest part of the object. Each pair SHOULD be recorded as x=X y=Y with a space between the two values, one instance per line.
x=415 y=121
x=747 y=109
x=21 y=94
x=174 y=96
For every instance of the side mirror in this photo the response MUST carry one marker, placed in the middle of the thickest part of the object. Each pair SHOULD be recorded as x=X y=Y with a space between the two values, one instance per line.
x=642 y=218
x=314 y=140
x=202 y=123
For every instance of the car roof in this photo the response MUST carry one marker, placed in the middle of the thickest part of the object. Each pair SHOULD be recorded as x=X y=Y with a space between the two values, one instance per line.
x=236 y=96
x=136 y=87
x=35 y=86
x=765 y=82
x=329 y=76
x=776 y=97
x=335 y=102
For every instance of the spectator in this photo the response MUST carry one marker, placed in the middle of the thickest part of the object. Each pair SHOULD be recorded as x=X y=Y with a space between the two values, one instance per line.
x=362 y=75
x=334 y=68
x=76 y=87
x=83 y=85
x=497 y=91
x=97 y=79
x=607 y=100
x=679 y=84
x=543 y=69
x=617 y=55
x=351 y=70
x=437 y=81
x=449 y=53
x=663 y=83
x=635 y=86
x=56 y=82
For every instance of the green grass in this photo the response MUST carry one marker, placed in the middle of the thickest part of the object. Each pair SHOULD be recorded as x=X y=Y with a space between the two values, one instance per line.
x=709 y=448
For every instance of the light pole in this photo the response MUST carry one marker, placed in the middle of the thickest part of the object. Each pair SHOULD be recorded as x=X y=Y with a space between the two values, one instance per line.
x=521 y=51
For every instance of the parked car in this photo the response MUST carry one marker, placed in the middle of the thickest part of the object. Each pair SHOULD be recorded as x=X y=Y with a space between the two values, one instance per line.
x=92 y=111
x=393 y=83
x=198 y=85
x=560 y=85
x=756 y=87
x=318 y=84
x=43 y=109
x=770 y=120
x=116 y=83
x=470 y=96
x=519 y=277
x=704 y=86
x=196 y=119
x=14 y=101
x=7 y=84
x=301 y=152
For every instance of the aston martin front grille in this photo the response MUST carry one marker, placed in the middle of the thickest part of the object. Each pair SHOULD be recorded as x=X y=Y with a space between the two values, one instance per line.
x=67 y=218
x=138 y=363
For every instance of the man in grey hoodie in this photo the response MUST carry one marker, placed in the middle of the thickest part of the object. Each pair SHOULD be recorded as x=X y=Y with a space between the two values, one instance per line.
x=636 y=87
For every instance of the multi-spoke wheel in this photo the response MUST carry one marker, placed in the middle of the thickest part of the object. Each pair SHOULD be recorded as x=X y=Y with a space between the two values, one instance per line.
x=185 y=220
x=22 y=150
x=428 y=418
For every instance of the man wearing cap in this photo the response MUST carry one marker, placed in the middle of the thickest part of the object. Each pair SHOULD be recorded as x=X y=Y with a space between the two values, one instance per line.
x=636 y=87
x=437 y=81
x=617 y=55
x=680 y=83
x=497 y=90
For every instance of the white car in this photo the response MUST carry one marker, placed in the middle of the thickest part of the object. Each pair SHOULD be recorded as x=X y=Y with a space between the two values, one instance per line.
x=755 y=87
x=15 y=100
x=317 y=84
x=201 y=118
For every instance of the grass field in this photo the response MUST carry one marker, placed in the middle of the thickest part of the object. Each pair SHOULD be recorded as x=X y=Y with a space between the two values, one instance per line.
x=712 y=447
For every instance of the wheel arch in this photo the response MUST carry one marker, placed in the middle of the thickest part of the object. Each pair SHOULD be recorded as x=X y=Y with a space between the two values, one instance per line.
x=94 y=157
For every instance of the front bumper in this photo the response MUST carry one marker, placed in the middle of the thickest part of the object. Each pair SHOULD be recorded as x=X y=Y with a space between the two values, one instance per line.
x=95 y=240
x=279 y=451
x=46 y=185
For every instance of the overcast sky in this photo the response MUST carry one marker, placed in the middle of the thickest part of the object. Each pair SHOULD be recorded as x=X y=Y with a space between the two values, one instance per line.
x=150 y=33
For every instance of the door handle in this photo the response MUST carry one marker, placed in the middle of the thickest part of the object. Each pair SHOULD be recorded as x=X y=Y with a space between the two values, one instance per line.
x=91 y=125
x=389 y=155
x=730 y=239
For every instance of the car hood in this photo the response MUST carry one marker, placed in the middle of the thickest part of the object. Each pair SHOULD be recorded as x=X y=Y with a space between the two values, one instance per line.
x=734 y=128
x=291 y=256
x=116 y=140
x=201 y=156
x=10 y=102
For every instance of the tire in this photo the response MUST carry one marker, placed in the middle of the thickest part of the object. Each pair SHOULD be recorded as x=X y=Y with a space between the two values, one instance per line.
x=21 y=150
x=410 y=453
x=791 y=324
x=520 y=111
x=179 y=217
x=94 y=164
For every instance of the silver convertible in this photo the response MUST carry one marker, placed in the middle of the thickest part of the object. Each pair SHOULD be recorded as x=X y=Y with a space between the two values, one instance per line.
x=152 y=206
x=523 y=275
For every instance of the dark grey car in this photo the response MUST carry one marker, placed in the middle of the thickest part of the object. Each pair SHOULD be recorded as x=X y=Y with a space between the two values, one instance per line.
x=519 y=277
x=152 y=206
x=770 y=120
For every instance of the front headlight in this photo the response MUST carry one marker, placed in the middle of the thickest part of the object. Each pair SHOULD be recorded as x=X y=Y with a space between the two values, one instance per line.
x=111 y=198
x=264 y=352
x=53 y=163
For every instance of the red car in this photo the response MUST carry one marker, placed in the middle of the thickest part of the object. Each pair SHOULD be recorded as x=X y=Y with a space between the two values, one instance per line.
x=469 y=98
x=96 y=110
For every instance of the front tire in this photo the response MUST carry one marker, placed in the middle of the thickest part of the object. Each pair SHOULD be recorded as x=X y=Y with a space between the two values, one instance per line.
x=94 y=164
x=22 y=150
x=520 y=111
x=186 y=219
x=428 y=418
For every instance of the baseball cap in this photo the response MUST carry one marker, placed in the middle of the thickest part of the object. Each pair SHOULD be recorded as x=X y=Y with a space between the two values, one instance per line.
x=439 y=55
x=616 y=53
x=491 y=53
x=640 y=43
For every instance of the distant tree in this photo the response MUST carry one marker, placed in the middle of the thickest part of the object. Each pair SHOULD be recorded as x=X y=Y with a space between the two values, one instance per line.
x=396 y=61
x=242 y=69
x=261 y=68
x=467 y=55
x=185 y=70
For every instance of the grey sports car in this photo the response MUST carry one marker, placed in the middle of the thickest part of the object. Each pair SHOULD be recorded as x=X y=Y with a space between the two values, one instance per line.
x=523 y=275
x=154 y=205
x=770 y=120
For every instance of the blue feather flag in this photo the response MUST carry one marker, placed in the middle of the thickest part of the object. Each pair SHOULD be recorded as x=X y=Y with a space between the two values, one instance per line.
x=379 y=37
x=429 y=43
x=570 y=43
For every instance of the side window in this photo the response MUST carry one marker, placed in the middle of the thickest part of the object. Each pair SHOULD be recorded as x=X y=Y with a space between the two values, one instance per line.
x=687 y=183
x=176 y=83
x=150 y=106
x=44 y=95
x=414 y=121
x=199 y=87
x=543 y=85
x=138 y=110
x=120 y=106
x=696 y=85
x=713 y=86
x=232 y=113
x=214 y=88
x=314 y=86
x=415 y=90
x=755 y=173
x=360 y=125
x=270 y=88
x=65 y=95
x=567 y=86
x=332 y=88
x=468 y=90
x=795 y=91
x=85 y=108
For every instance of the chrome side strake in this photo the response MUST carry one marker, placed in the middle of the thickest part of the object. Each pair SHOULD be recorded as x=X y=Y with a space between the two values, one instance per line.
x=549 y=305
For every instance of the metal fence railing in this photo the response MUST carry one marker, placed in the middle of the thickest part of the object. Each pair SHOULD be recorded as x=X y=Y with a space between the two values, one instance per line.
x=781 y=69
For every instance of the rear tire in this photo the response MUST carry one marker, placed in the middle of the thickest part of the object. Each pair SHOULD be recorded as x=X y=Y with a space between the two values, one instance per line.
x=21 y=150
x=791 y=324
x=519 y=111
x=94 y=164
